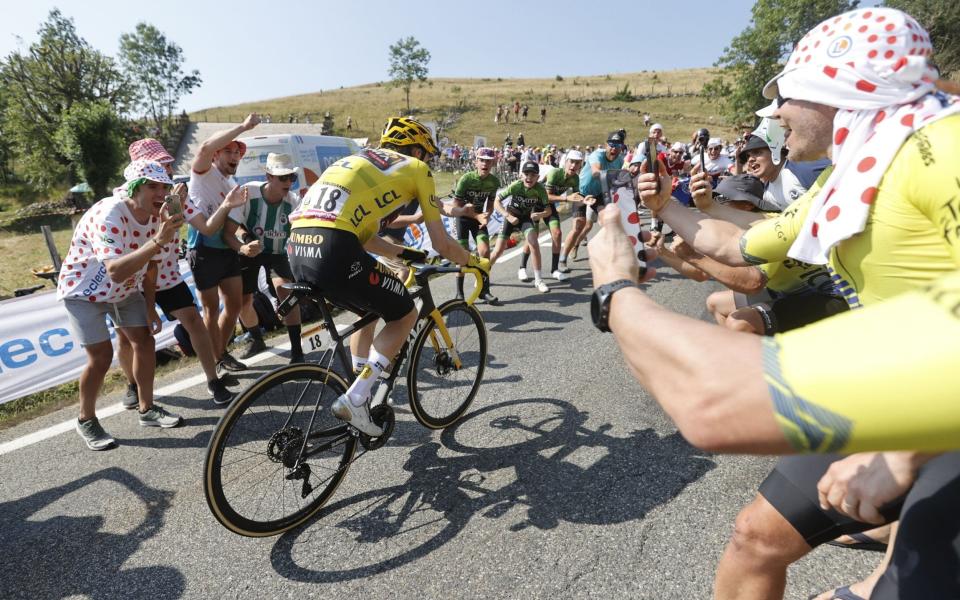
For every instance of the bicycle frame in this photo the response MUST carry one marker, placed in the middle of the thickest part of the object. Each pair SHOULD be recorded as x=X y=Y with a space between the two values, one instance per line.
x=419 y=276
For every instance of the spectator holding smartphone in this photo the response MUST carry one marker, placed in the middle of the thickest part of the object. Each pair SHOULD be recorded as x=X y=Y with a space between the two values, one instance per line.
x=101 y=275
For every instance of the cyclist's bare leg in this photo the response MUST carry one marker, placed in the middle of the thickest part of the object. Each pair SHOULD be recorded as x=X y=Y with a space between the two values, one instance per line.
x=385 y=348
x=361 y=340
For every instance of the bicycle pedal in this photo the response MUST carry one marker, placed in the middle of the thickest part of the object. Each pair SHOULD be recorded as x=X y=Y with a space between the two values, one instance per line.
x=385 y=418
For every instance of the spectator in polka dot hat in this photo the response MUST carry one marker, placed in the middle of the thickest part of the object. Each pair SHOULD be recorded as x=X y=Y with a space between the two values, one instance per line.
x=885 y=220
x=101 y=276
x=164 y=286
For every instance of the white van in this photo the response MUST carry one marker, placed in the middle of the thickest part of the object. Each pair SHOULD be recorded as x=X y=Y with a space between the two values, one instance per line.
x=312 y=153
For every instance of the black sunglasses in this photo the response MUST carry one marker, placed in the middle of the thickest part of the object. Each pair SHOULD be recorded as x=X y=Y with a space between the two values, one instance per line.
x=781 y=100
x=288 y=177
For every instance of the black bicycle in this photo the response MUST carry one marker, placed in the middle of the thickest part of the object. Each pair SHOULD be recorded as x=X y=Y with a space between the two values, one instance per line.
x=278 y=454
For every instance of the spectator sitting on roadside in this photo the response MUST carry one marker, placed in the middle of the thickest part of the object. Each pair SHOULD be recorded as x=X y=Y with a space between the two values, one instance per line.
x=101 y=276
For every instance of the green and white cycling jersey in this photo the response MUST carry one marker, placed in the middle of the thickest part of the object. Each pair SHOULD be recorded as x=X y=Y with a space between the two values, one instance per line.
x=476 y=191
x=270 y=222
x=557 y=183
x=520 y=200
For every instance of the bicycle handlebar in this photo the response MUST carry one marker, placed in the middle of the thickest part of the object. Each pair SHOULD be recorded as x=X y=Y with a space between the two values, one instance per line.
x=419 y=272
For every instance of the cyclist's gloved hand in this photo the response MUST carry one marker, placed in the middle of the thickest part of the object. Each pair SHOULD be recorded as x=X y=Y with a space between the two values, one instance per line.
x=412 y=255
x=479 y=262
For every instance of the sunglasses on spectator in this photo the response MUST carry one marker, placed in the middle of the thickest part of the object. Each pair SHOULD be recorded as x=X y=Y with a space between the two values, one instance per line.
x=288 y=177
x=781 y=100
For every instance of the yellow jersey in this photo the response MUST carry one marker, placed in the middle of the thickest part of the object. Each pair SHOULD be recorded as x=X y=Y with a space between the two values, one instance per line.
x=357 y=192
x=912 y=234
x=883 y=378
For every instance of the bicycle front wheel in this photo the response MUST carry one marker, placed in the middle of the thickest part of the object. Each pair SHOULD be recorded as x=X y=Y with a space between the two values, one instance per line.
x=446 y=365
x=278 y=454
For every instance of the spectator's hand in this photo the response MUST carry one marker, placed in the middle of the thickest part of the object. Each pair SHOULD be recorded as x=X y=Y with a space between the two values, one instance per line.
x=860 y=484
x=251 y=249
x=180 y=189
x=468 y=211
x=575 y=197
x=169 y=225
x=611 y=254
x=153 y=320
x=483 y=219
x=701 y=190
x=647 y=187
x=512 y=219
x=589 y=200
x=237 y=197
x=252 y=120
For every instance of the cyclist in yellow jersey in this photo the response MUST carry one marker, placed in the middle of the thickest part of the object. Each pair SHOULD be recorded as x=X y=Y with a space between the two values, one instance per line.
x=336 y=227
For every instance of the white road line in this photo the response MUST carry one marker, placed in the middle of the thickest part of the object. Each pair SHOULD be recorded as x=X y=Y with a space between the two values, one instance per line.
x=173 y=388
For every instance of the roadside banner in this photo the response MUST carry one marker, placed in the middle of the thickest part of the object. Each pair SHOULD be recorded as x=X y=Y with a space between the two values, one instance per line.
x=37 y=348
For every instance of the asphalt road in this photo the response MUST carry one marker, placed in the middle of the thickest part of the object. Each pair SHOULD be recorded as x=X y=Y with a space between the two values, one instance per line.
x=588 y=492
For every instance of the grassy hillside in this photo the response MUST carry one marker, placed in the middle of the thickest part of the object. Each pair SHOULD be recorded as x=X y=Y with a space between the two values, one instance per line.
x=580 y=110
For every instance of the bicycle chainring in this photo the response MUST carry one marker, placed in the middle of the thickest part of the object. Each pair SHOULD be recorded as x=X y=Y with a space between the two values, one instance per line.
x=383 y=416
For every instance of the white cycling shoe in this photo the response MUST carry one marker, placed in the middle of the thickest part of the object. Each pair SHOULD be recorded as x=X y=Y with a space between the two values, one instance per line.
x=358 y=416
x=559 y=275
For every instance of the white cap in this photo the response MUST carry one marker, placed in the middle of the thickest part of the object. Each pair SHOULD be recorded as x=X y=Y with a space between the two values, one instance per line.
x=574 y=155
x=656 y=126
x=714 y=142
x=678 y=146
x=280 y=164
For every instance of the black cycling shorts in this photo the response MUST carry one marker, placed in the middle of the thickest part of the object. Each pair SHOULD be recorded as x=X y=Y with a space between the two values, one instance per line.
x=175 y=298
x=524 y=225
x=467 y=226
x=279 y=264
x=796 y=310
x=335 y=263
x=210 y=266
x=552 y=220
x=792 y=490
x=926 y=557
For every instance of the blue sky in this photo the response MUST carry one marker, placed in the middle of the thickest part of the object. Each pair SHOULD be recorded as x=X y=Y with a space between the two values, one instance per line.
x=248 y=50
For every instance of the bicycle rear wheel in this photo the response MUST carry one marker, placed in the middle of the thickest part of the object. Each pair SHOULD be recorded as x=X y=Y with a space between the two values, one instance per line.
x=277 y=454
x=443 y=378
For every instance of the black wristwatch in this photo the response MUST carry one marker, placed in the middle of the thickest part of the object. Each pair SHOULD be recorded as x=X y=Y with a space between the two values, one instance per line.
x=600 y=302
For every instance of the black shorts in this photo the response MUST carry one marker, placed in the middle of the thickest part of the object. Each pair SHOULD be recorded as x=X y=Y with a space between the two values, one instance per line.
x=796 y=310
x=250 y=269
x=553 y=219
x=581 y=209
x=466 y=227
x=524 y=225
x=792 y=490
x=175 y=298
x=335 y=263
x=927 y=553
x=210 y=266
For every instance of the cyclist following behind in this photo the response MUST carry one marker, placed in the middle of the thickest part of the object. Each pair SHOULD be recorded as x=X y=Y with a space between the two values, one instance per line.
x=523 y=203
x=472 y=199
x=334 y=229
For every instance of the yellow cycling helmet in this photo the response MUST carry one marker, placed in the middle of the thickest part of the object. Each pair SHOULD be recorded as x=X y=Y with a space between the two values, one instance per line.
x=405 y=131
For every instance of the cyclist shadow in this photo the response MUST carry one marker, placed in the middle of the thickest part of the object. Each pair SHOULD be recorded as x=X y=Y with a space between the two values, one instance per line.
x=539 y=466
x=517 y=321
x=48 y=554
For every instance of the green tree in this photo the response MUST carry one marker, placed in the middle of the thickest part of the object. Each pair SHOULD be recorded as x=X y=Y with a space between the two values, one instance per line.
x=91 y=137
x=941 y=19
x=154 y=65
x=6 y=150
x=757 y=53
x=408 y=63
x=41 y=84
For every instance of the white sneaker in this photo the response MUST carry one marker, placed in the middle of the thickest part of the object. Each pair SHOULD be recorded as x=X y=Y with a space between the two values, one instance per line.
x=358 y=416
x=522 y=275
x=563 y=267
x=559 y=275
x=541 y=286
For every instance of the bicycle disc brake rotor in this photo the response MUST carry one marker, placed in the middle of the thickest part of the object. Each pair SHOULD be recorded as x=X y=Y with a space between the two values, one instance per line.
x=284 y=446
x=384 y=417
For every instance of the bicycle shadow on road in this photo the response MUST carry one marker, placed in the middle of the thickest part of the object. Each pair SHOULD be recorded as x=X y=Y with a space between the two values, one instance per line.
x=530 y=463
x=48 y=554
x=518 y=321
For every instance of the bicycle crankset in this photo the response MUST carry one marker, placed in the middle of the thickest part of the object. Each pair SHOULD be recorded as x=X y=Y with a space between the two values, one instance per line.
x=383 y=416
x=284 y=446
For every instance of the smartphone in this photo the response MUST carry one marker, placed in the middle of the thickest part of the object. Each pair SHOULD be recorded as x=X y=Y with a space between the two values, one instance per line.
x=653 y=165
x=172 y=202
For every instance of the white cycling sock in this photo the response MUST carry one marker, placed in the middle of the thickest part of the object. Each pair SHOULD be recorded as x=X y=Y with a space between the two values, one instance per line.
x=536 y=275
x=358 y=362
x=360 y=390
